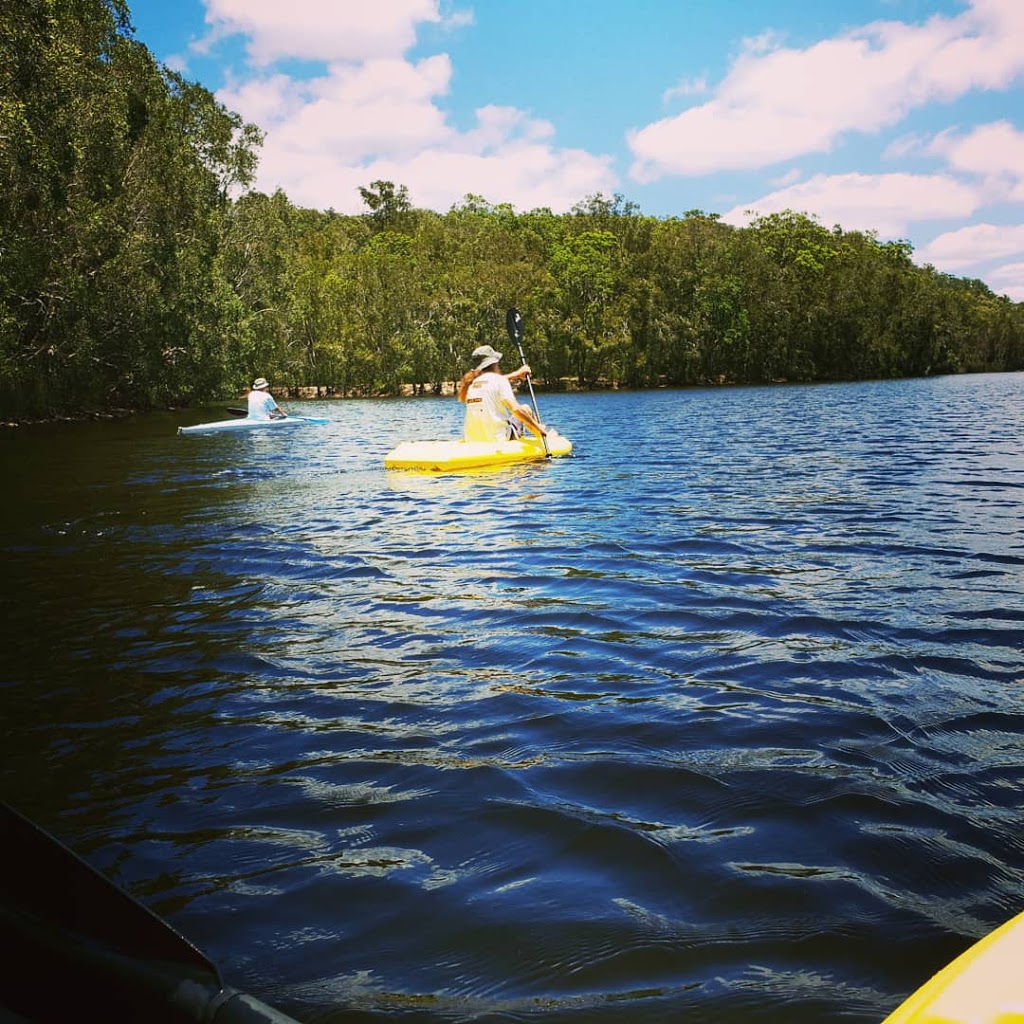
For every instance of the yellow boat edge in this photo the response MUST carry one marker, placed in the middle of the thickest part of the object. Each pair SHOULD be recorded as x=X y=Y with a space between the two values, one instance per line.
x=455 y=455
x=981 y=986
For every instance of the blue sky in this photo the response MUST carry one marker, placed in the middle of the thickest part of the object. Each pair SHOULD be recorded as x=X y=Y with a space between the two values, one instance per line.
x=905 y=117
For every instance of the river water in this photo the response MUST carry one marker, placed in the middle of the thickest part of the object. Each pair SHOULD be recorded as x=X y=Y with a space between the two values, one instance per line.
x=721 y=719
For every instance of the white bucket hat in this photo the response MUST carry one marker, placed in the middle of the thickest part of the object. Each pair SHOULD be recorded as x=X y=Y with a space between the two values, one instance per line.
x=260 y=383
x=487 y=356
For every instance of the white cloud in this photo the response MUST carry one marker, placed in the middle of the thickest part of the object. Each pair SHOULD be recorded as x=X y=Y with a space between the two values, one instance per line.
x=527 y=175
x=176 y=62
x=906 y=145
x=328 y=136
x=886 y=203
x=687 y=87
x=264 y=101
x=381 y=108
x=994 y=152
x=1008 y=280
x=375 y=115
x=321 y=30
x=957 y=251
x=791 y=177
x=776 y=104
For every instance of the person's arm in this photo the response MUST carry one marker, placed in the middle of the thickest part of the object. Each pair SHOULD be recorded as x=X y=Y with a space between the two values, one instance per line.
x=523 y=371
x=521 y=412
x=524 y=415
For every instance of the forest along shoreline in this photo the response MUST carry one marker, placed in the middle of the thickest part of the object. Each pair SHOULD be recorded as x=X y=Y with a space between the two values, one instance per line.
x=147 y=273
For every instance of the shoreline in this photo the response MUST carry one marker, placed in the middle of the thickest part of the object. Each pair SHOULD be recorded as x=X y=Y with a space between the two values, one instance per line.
x=327 y=392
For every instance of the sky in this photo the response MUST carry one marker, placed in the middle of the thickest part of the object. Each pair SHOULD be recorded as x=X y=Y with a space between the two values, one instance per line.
x=902 y=117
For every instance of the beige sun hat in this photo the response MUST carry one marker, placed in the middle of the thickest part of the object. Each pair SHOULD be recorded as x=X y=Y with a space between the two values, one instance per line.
x=487 y=357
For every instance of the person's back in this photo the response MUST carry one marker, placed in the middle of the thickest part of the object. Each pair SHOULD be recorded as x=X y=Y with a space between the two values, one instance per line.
x=487 y=408
x=261 y=401
x=491 y=406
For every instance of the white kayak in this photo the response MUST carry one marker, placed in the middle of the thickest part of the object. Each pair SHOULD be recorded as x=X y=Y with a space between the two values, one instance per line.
x=244 y=423
x=449 y=456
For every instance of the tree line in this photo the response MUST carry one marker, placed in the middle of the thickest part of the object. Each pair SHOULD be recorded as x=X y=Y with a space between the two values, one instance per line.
x=138 y=270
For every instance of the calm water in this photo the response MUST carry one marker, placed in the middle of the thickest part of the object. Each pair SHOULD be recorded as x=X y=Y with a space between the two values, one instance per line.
x=721 y=719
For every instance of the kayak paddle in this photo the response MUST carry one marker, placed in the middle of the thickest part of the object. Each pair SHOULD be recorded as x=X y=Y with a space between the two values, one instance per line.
x=514 y=326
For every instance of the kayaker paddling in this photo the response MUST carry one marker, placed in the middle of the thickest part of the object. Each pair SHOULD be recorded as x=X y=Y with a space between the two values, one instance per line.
x=494 y=421
x=261 y=402
x=492 y=412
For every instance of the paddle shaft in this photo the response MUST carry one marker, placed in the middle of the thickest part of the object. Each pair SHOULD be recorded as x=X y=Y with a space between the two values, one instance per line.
x=237 y=410
x=514 y=325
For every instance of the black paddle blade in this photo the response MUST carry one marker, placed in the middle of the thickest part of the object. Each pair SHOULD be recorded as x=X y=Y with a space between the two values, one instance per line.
x=514 y=325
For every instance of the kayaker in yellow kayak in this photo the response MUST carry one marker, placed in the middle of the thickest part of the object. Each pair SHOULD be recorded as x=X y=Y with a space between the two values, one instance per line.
x=261 y=402
x=491 y=406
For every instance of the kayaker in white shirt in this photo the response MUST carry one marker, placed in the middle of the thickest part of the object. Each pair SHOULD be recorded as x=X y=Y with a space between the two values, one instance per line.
x=261 y=402
x=491 y=406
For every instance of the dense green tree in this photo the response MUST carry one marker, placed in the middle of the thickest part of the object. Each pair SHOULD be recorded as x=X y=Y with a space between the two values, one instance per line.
x=389 y=205
x=117 y=173
x=588 y=268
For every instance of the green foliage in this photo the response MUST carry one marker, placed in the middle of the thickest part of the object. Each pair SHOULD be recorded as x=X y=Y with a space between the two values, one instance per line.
x=389 y=205
x=135 y=268
x=116 y=180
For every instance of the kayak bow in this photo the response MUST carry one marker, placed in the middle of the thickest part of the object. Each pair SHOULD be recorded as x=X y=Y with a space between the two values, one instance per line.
x=981 y=986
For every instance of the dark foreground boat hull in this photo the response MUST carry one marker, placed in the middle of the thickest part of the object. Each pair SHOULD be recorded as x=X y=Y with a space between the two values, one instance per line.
x=80 y=948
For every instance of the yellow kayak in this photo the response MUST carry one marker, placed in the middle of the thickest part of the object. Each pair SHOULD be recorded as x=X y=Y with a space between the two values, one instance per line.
x=984 y=985
x=446 y=456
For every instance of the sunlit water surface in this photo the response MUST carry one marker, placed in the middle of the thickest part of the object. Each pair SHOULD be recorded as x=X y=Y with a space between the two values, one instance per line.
x=721 y=719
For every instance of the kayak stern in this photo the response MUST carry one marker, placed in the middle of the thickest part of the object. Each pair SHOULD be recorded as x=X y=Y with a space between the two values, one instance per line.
x=452 y=456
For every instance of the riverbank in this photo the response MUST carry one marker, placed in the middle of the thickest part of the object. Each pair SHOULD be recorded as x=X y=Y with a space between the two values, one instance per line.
x=315 y=392
x=445 y=389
